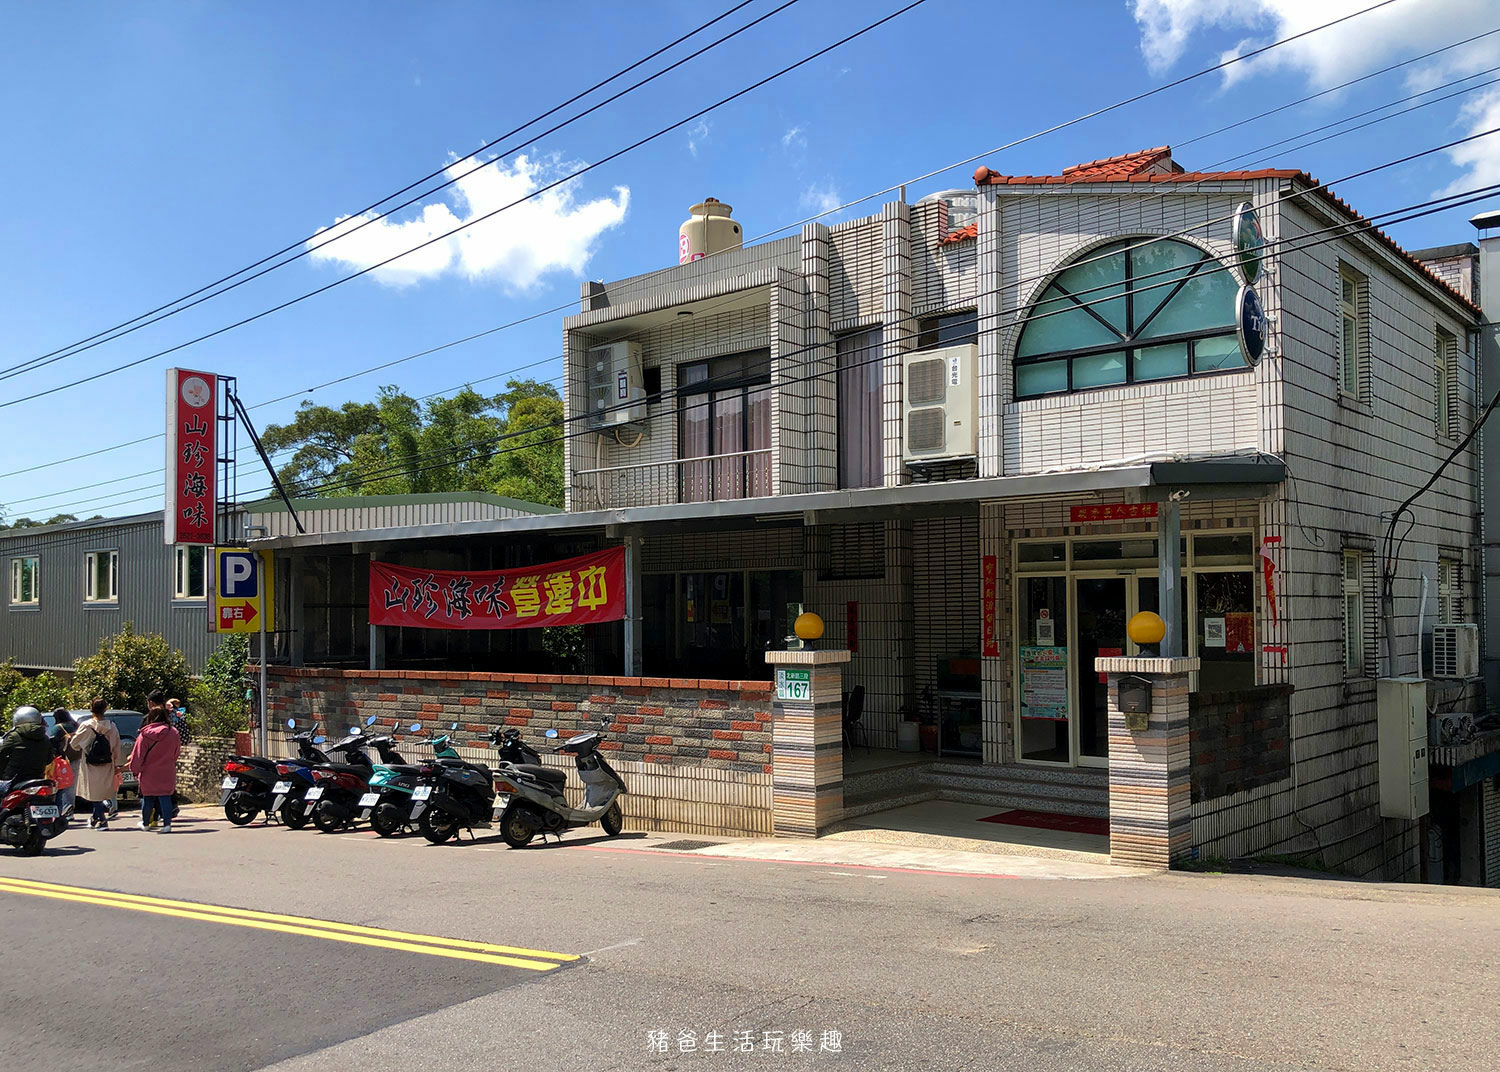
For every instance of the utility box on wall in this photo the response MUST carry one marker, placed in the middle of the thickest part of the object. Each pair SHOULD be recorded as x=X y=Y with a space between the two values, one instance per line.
x=1401 y=707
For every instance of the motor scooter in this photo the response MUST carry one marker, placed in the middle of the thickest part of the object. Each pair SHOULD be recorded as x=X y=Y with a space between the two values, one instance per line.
x=295 y=779
x=249 y=785
x=338 y=787
x=29 y=815
x=387 y=805
x=530 y=799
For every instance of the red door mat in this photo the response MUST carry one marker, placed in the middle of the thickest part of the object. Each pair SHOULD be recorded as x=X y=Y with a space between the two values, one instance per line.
x=1046 y=820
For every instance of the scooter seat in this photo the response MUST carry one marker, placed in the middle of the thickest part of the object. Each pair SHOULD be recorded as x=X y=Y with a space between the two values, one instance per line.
x=259 y=761
x=541 y=773
x=348 y=768
x=403 y=768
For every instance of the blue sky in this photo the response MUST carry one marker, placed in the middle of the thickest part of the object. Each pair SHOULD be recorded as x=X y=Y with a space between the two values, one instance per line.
x=153 y=147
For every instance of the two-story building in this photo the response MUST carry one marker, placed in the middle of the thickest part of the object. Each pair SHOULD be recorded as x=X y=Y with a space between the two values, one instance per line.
x=978 y=434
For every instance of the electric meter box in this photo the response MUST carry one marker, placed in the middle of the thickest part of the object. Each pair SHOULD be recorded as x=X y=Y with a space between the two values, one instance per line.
x=1401 y=707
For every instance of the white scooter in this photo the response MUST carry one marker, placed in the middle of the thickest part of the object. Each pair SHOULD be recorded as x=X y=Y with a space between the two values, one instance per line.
x=530 y=798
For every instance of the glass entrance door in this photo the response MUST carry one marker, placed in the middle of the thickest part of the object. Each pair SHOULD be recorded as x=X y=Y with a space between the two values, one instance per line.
x=1101 y=613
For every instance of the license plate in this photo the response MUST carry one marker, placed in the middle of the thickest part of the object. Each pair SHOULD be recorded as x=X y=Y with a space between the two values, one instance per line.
x=127 y=778
x=229 y=783
x=315 y=793
x=44 y=811
x=369 y=800
x=500 y=804
x=421 y=792
x=282 y=787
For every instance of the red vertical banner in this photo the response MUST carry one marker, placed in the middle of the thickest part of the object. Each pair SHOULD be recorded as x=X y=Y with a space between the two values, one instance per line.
x=851 y=624
x=991 y=583
x=192 y=441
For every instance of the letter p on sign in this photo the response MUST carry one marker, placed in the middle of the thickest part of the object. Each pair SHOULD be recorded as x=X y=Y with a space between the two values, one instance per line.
x=238 y=575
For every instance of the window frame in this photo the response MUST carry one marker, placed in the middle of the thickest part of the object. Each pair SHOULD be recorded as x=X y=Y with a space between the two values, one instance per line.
x=1131 y=343
x=90 y=575
x=1354 y=593
x=1450 y=588
x=959 y=327
x=1445 y=384
x=183 y=552
x=36 y=581
x=1352 y=321
x=707 y=391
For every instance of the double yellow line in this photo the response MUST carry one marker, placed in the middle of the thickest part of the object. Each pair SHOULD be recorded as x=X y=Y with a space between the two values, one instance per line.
x=454 y=948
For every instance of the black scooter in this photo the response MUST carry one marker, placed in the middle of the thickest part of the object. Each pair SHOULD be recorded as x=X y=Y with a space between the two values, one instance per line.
x=248 y=788
x=455 y=794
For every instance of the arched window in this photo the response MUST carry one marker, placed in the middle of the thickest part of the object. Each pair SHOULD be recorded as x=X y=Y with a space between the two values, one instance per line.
x=1123 y=315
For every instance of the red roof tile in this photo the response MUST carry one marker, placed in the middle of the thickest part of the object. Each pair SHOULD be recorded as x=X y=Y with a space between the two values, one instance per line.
x=1134 y=168
x=971 y=231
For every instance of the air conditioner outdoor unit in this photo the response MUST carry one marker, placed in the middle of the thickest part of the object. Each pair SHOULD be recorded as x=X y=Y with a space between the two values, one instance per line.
x=617 y=392
x=940 y=415
x=1455 y=650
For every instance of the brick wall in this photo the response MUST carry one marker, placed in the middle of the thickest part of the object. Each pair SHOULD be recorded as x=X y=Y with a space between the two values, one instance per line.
x=200 y=767
x=695 y=754
x=1239 y=739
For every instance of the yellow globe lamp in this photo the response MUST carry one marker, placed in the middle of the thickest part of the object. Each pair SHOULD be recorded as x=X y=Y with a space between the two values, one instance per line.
x=808 y=626
x=1146 y=628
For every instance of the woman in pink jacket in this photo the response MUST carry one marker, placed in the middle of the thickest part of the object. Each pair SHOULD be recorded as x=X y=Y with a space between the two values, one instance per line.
x=154 y=763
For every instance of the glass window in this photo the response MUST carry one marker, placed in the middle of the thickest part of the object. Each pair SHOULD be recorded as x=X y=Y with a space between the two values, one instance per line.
x=1354 y=614
x=1042 y=556
x=1081 y=333
x=192 y=575
x=952 y=329
x=861 y=464
x=101 y=578
x=24 y=578
x=1352 y=333
x=1236 y=549
x=724 y=418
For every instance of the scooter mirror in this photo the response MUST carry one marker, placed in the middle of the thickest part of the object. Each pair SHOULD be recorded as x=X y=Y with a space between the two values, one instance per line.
x=319 y=739
x=551 y=733
x=415 y=726
x=353 y=731
x=291 y=723
x=453 y=728
x=370 y=721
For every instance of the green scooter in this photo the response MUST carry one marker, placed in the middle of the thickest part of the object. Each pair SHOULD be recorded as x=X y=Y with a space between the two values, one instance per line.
x=388 y=802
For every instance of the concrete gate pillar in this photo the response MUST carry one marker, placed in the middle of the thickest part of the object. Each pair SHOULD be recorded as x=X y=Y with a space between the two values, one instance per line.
x=807 y=741
x=1150 y=762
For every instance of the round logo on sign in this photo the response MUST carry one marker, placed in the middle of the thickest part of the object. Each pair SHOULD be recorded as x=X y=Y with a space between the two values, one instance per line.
x=1248 y=241
x=1250 y=318
x=196 y=392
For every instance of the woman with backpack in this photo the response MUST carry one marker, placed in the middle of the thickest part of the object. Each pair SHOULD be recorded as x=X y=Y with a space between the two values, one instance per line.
x=154 y=761
x=96 y=746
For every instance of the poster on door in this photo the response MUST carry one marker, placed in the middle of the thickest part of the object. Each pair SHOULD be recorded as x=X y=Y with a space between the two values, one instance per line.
x=1044 y=683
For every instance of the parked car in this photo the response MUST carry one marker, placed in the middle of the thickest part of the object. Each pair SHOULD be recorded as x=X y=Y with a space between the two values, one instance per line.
x=129 y=724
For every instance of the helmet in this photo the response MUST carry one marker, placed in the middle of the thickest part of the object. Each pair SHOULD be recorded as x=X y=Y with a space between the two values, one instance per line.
x=26 y=716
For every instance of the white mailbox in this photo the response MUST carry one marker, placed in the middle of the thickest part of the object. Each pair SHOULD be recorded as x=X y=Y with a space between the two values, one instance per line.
x=1401 y=704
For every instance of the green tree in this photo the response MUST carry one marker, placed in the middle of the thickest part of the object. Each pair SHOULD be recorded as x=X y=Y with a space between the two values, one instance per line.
x=127 y=668
x=506 y=444
x=44 y=691
x=36 y=523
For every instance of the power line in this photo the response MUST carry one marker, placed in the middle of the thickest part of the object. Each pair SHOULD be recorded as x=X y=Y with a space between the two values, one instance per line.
x=88 y=342
x=1176 y=190
x=1302 y=242
x=480 y=219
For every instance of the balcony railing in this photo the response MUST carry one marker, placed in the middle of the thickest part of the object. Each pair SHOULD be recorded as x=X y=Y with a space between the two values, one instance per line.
x=744 y=474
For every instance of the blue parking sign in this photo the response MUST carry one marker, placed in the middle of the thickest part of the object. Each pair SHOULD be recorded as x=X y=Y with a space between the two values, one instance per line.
x=239 y=575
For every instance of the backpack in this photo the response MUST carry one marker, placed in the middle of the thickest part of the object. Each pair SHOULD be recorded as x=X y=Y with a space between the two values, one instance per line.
x=100 y=751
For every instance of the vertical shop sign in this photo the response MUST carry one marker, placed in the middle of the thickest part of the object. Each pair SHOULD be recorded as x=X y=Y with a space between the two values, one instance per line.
x=192 y=441
x=851 y=625
x=991 y=583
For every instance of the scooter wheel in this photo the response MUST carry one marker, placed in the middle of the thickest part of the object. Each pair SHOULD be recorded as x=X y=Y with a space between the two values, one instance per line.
x=33 y=845
x=516 y=827
x=386 y=819
x=613 y=820
x=240 y=810
x=324 y=819
x=294 y=814
x=437 y=825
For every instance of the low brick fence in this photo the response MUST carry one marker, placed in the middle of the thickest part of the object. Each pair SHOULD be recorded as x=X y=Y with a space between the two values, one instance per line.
x=696 y=754
x=200 y=767
x=1239 y=739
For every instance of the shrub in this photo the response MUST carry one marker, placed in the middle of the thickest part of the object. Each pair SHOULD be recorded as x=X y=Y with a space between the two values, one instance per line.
x=127 y=668
x=44 y=691
x=216 y=702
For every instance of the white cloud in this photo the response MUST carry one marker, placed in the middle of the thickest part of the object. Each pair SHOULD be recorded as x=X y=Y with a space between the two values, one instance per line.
x=796 y=136
x=698 y=134
x=824 y=198
x=1353 y=48
x=553 y=232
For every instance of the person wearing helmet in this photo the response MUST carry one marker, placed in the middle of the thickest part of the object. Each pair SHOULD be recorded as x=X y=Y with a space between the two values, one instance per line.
x=25 y=751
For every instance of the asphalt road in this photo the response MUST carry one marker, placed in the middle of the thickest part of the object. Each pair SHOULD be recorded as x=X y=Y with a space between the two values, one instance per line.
x=914 y=971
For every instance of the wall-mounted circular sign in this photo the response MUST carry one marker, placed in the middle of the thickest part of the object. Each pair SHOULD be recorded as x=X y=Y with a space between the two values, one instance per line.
x=1248 y=241
x=1250 y=318
x=196 y=392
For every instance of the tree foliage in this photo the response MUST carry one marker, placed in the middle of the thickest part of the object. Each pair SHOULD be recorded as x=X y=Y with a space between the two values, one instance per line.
x=127 y=668
x=505 y=444
x=216 y=701
x=44 y=691
x=36 y=522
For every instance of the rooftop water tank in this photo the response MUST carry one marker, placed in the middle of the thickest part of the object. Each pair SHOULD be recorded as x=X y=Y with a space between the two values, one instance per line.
x=708 y=230
x=963 y=206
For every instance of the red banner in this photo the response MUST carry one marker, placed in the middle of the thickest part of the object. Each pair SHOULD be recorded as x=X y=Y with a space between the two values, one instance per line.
x=192 y=424
x=575 y=591
x=1112 y=512
x=991 y=581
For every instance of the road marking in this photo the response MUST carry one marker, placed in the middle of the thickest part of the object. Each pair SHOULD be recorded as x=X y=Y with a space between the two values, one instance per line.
x=432 y=945
x=697 y=857
x=617 y=945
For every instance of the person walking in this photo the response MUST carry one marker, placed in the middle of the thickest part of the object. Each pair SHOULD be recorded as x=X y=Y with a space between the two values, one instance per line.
x=60 y=770
x=96 y=746
x=154 y=762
